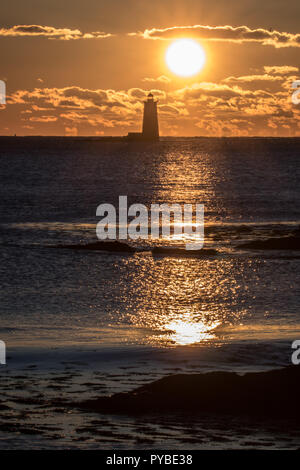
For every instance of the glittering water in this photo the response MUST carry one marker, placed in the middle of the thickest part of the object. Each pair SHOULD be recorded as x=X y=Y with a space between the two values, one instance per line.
x=50 y=189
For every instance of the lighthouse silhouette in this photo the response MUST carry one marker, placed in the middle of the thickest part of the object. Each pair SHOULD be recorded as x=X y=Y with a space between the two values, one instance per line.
x=150 y=122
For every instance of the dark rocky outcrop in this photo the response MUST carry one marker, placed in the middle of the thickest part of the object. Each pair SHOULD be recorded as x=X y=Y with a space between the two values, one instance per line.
x=281 y=243
x=270 y=394
x=181 y=252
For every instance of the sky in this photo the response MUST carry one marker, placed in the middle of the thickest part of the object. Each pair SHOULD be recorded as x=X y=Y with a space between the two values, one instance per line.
x=84 y=67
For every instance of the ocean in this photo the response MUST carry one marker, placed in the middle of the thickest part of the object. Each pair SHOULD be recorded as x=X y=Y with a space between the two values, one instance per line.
x=110 y=321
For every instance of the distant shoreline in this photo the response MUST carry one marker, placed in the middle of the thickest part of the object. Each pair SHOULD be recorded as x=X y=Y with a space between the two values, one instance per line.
x=124 y=139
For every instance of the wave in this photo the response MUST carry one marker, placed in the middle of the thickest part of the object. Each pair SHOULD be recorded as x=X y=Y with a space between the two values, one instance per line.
x=220 y=238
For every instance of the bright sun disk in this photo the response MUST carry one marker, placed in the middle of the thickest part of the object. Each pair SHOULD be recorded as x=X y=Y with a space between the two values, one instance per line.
x=185 y=57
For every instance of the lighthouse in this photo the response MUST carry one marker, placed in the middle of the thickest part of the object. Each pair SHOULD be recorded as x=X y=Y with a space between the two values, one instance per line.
x=150 y=120
x=150 y=131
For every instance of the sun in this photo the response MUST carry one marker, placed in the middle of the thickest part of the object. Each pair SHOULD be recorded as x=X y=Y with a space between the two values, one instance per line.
x=185 y=57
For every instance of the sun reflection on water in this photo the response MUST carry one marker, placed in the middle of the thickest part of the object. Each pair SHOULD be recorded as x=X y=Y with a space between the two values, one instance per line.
x=182 y=301
x=185 y=330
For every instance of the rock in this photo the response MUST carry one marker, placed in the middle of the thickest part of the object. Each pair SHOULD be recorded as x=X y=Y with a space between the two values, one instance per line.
x=265 y=394
x=181 y=252
x=281 y=243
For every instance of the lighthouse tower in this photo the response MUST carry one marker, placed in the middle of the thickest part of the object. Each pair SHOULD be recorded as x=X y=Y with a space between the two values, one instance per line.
x=150 y=121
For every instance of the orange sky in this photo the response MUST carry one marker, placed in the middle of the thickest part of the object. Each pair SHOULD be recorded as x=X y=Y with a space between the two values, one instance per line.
x=83 y=67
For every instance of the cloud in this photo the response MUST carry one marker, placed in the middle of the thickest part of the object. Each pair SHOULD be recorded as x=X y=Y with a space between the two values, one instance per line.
x=80 y=106
x=280 y=69
x=238 y=34
x=160 y=79
x=172 y=110
x=43 y=118
x=71 y=97
x=50 y=32
x=204 y=89
x=254 y=78
x=71 y=131
x=280 y=74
